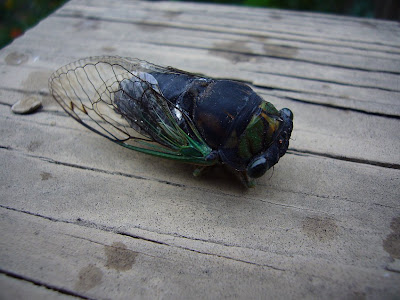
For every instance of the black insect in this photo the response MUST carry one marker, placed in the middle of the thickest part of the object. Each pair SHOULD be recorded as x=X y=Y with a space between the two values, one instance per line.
x=174 y=114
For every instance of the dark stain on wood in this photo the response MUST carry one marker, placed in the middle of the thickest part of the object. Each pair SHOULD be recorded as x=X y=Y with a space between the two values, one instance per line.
x=149 y=27
x=109 y=49
x=87 y=24
x=358 y=296
x=16 y=58
x=34 y=145
x=89 y=277
x=234 y=51
x=119 y=257
x=320 y=229
x=275 y=16
x=392 y=242
x=368 y=24
x=172 y=14
x=280 y=51
x=46 y=175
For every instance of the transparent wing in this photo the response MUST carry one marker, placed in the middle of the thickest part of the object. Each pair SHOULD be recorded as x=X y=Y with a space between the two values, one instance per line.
x=119 y=99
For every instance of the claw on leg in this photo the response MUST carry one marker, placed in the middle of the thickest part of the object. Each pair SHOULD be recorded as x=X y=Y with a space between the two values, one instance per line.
x=245 y=179
x=200 y=171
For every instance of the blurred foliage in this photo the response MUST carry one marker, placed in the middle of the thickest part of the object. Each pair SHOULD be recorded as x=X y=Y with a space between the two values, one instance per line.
x=360 y=8
x=16 y=16
x=381 y=9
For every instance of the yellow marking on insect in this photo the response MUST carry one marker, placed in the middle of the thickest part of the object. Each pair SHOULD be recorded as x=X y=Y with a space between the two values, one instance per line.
x=71 y=105
x=84 y=109
x=264 y=115
x=273 y=123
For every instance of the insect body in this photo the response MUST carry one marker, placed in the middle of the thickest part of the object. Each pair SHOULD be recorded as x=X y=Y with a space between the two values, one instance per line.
x=174 y=114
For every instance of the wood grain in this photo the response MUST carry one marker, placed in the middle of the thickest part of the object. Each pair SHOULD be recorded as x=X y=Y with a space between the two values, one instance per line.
x=84 y=218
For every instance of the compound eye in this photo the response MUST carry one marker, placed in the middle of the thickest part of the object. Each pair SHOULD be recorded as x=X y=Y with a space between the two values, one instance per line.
x=257 y=168
x=287 y=112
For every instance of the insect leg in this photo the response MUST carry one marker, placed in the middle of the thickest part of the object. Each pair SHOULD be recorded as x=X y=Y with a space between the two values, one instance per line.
x=200 y=171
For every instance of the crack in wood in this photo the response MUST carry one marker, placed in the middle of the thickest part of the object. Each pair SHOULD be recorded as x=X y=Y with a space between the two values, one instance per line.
x=262 y=87
x=114 y=230
x=6 y=147
x=312 y=62
x=5 y=104
x=392 y=270
x=290 y=151
x=327 y=105
x=349 y=159
x=136 y=237
x=229 y=29
x=110 y=229
x=89 y=224
x=234 y=259
x=43 y=284
x=332 y=197
x=180 y=247
x=49 y=160
x=327 y=81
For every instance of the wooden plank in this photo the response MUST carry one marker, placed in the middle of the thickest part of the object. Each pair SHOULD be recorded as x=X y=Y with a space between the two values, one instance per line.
x=261 y=71
x=318 y=65
x=313 y=133
x=213 y=39
x=16 y=288
x=68 y=238
x=296 y=190
x=374 y=92
x=384 y=107
x=71 y=145
x=370 y=100
x=266 y=56
x=152 y=270
x=151 y=31
x=275 y=47
x=322 y=27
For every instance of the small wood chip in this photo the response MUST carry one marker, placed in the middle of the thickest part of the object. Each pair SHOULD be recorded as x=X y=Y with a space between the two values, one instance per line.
x=26 y=105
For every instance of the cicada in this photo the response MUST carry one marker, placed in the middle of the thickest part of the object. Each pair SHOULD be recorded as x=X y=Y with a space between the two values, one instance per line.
x=174 y=114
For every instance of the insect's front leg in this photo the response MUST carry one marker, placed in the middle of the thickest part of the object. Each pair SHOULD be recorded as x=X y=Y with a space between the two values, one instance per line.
x=245 y=179
x=200 y=171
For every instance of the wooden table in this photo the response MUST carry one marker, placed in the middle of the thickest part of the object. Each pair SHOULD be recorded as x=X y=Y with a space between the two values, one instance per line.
x=84 y=218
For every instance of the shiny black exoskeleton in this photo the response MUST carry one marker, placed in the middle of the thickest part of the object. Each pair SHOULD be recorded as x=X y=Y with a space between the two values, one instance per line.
x=247 y=133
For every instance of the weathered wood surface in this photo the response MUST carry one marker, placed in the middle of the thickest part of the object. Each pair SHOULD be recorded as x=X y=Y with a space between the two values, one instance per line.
x=82 y=217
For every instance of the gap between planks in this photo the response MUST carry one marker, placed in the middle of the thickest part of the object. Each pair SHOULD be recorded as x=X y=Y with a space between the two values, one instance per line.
x=122 y=12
